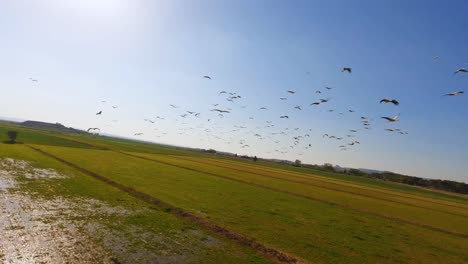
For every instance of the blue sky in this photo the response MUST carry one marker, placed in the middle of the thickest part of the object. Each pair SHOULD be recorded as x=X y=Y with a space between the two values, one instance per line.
x=144 y=55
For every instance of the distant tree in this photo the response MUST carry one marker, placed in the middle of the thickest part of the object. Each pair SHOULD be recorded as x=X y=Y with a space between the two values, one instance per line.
x=328 y=167
x=297 y=163
x=255 y=158
x=12 y=135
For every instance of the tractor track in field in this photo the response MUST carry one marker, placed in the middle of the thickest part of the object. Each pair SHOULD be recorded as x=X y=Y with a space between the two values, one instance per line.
x=305 y=177
x=433 y=228
x=271 y=253
x=324 y=187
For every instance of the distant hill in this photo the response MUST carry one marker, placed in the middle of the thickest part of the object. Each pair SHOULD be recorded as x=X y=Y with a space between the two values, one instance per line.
x=50 y=126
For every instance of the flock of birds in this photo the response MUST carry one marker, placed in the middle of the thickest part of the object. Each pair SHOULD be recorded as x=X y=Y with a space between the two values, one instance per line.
x=270 y=132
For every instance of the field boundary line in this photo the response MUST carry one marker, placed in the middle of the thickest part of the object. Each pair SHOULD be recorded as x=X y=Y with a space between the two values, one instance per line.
x=327 y=188
x=320 y=178
x=433 y=228
x=271 y=253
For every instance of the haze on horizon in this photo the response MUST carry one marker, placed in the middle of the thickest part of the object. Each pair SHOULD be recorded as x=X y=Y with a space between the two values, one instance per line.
x=142 y=56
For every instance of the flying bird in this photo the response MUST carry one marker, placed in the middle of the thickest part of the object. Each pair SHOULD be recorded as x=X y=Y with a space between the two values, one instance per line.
x=315 y=103
x=138 y=134
x=386 y=101
x=291 y=92
x=99 y=113
x=92 y=128
x=284 y=116
x=114 y=106
x=219 y=110
x=298 y=107
x=329 y=88
x=454 y=93
x=461 y=70
x=391 y=119
x=282 y=98
x=207 y=77
x=347 y=69
x=263 y=108
x=174 y=106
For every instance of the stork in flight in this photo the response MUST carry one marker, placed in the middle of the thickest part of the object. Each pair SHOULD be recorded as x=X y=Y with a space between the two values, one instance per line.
x=454 y=93
x=461 y=70
x=347 y=69
x=391 y=119
x=219 y=110
x=386 y=101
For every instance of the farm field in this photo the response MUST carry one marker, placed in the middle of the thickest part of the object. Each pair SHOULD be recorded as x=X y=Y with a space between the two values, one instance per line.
x=310 y=216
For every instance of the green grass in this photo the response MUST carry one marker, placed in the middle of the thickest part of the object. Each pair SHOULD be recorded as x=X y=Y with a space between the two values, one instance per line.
x=313 y=230
x=319 y=216
x=354 y=179
x=148 y=217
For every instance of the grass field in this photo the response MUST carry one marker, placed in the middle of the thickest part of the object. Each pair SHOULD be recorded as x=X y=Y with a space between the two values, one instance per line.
x=316 y=216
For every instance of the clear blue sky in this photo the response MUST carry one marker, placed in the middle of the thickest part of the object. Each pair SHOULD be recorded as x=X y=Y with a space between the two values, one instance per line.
x=144 y=55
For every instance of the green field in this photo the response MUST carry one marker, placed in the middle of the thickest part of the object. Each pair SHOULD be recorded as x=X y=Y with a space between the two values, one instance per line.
x=315 y=216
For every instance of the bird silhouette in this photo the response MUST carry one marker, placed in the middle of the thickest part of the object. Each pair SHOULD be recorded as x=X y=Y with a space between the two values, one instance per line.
x=219 y=110
x=99 y=113
x=207 y=77
x=347 y=69
x=461 y=70
x=454 y=93
x=386 y=101
x=392 y=119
